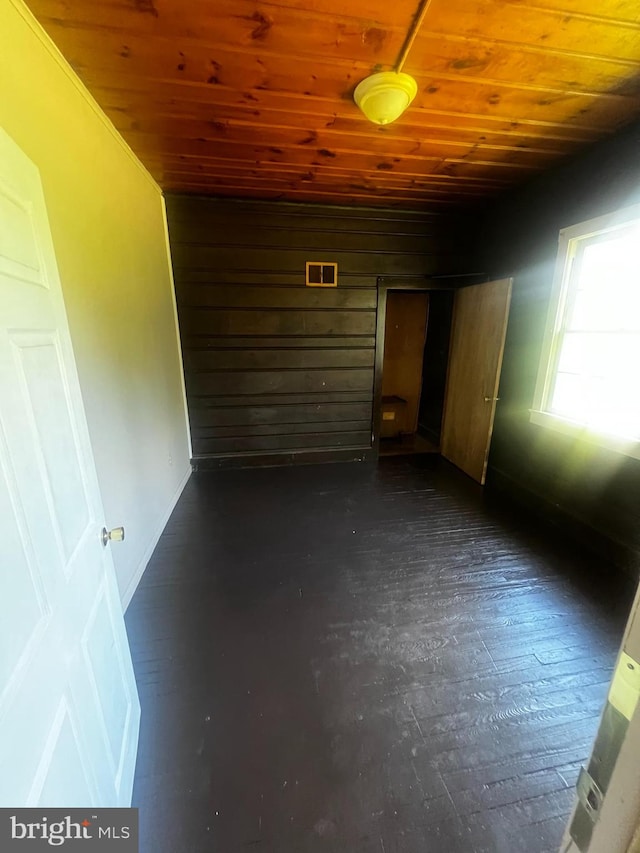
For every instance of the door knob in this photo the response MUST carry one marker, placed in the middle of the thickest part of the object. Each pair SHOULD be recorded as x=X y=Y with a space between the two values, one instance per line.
x=489 y=399
x=115 y=535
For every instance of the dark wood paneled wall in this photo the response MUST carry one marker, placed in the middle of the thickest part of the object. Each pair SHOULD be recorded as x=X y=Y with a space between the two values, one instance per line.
x=273 y=366
x=589 y=490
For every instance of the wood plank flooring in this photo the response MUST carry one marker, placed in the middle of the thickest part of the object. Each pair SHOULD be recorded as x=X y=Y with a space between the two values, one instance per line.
x=407 y=445
x=355 y=659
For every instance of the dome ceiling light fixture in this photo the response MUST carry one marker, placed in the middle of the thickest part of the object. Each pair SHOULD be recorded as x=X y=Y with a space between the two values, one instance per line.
x=383 y=97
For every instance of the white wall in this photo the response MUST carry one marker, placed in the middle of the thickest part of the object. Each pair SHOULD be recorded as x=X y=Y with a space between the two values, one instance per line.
x=107 y=219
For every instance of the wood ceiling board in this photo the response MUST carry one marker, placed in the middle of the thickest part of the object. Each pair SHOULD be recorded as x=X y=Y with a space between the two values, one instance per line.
x=225 y=183
x=163 y=58
x=194 y=164
x=255 y=99
x=456 y=190
x=489 y=98
x=439 y=180
x=430 y=125
x=111 y=11
x=623 y=10
x=180 y=122
x=289 y=31
x=117 y=80
x=351 y=145
x=523 y=64
x=241 y=139
x=243 y=26
x=204 y=99
x=322 y=195
x=426 y=188
x=157 y=60
x=519 y=23
x=374 y=180
x=443 y=137
x=458 y=187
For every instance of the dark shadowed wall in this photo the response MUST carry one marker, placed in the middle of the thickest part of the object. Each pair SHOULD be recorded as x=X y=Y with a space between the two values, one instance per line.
x=593 y=491
x=273 y=366
x=435 y=364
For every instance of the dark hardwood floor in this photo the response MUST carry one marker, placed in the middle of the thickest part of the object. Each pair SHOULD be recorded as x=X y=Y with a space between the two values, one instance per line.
x=354 y=659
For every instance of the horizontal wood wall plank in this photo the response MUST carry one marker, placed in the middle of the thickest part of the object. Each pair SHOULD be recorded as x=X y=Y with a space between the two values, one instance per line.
x=198 y=237
x=241 y=416
x=280 y=429
x=306 y=221
x=278 y=278
x=281 y=359
x=240 y=342
x=198 y=257
x=279 y=381
x=264 y=296
x=257 y=459
x=312 y=398
x=281 y=442
x=255 y=322
x=273 y=366
x=342 y=192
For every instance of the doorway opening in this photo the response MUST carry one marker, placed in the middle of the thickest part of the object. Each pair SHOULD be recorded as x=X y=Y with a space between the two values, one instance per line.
x=414 y=370
x=437 y=369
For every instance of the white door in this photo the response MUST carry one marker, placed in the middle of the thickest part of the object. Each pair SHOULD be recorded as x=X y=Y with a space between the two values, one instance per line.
x=69 y=710
x=606 y=815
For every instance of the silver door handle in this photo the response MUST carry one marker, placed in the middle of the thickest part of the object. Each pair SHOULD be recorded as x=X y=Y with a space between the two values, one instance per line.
x=490 y=399
x=115 y=535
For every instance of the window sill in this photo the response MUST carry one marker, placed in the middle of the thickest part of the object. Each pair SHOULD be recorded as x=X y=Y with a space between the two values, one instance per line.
x=627 y=447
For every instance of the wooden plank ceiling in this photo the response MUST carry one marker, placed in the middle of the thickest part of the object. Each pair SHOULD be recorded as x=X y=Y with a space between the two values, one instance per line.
x=254 y=99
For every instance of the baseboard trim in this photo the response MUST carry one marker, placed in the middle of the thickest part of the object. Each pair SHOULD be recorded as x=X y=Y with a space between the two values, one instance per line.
x=272 y=460
x=144 y=562
x=580 y=531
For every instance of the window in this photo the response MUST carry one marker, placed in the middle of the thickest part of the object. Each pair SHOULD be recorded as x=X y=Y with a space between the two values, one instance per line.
x=589 y=378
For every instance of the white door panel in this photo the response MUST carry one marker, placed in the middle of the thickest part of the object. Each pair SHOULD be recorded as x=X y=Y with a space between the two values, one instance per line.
x=69 y=709
x=63 y=773
x=30 y=608
x=20 y=256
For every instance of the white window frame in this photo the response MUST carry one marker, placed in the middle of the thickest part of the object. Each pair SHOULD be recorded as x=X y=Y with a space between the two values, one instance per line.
x=568 y=242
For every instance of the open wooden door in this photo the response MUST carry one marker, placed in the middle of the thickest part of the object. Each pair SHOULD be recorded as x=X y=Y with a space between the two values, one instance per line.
x=480 y=316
